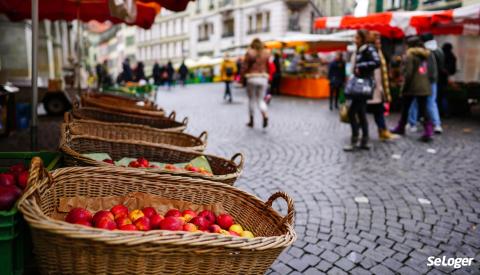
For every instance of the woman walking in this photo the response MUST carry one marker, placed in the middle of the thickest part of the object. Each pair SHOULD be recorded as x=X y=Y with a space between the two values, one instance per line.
x=255 y=71
x=381 y=92
x=366 y=60
x=416 y=86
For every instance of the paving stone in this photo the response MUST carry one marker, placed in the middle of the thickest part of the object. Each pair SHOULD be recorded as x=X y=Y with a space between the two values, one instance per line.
x=281 y=268
x=380 y=269
x=345 y=264
x=392 y=264
x=324 y=266
x=296 y=252
x=312 y=271
x=360 y=271
x=313 y=249
x=336 y=271
x=329 y=256
x=298 y=265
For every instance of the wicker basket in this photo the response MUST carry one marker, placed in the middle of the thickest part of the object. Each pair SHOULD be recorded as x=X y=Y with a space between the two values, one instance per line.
x=73 y=146
x=92 y=98
x=64 y=248
x=119 y=104
x=116 y=131
x=169 y=122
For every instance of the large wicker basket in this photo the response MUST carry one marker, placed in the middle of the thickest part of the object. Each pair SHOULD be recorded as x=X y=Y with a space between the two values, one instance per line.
x=169 y=122
x=73 y=147
x=116 y=131
x=119 y=104
x=143 y=104
x=64 y=248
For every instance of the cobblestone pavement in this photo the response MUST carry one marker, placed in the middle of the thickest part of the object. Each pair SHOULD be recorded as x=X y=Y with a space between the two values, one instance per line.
x=361 y=213
x=378 y=212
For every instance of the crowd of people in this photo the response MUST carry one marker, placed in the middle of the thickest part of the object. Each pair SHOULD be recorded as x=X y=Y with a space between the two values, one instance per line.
x=161 y=74
x=423 y=71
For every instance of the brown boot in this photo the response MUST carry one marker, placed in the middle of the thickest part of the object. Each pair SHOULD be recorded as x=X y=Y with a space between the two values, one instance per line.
x=386 y=135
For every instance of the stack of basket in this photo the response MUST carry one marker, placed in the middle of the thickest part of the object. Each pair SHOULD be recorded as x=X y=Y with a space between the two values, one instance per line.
x=117 y=130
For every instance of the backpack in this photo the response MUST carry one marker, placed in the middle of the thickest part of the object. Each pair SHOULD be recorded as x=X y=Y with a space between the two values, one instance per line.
x=229 y=71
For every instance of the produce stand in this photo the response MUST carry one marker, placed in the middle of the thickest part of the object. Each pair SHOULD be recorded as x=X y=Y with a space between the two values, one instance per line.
x=15 y=241
x=309 y=79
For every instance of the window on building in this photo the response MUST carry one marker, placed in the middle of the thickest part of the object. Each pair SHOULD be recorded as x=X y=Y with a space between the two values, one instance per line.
x=259 y=22
x=211 y=6
x=228 y=27
x=205 y=30
x=199 y=6
x=130 y=40
x=392 y=4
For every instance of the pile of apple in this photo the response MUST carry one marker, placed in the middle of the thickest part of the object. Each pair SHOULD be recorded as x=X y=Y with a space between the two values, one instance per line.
x=12 y=183
x=142 y=162
x=119 y=217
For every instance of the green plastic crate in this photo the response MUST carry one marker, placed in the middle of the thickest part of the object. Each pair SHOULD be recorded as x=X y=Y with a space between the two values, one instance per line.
x=15 y=239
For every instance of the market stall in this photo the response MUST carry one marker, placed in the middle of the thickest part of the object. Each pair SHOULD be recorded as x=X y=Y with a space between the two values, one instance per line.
x=304 y=71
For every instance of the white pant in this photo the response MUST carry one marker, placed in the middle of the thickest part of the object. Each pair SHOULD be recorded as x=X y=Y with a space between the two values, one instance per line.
x=256 y=90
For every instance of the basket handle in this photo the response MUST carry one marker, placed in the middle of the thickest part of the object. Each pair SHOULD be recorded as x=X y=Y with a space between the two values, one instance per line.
x=290 y=217
x=67 y=117
x=172 y=115
x=185 y=121
x=37 y=175
x=203 y=137
x=237 y=155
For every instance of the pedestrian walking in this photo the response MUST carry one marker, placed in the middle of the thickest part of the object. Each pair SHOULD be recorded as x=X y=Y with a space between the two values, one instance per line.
x=337 y=77
x=157 y=74
x=227 y=71
x=139 y=72
x=127 y=74
x=99 y=73
x=416 y=86
x=381 y=92
x=360 y=89
x=255 y=71
x=277 y=75
x=239 y=69
x=450 y=68
x=436 y=63
x=170 y=74
x=183 y=73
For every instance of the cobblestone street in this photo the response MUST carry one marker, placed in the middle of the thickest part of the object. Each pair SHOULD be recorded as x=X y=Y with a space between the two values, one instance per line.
x=379 y=212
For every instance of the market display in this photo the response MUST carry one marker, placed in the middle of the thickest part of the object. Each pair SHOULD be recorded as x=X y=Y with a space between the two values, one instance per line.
x=119 y=217
x=12 y=183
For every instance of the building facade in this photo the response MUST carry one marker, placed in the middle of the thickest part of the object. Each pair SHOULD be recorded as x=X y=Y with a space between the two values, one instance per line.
x=167 y=40
x=228 y=26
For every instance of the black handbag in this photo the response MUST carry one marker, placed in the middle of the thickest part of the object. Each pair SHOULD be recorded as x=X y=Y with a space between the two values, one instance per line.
x=360 y=87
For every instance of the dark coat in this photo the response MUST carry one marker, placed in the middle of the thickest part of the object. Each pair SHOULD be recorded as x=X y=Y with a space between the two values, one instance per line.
x=366 y=61
x=336 y=73
x=416 y=76
x=157 y=74
x=127 y=74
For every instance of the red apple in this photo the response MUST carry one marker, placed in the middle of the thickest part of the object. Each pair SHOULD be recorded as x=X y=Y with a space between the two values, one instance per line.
x=8 y=196
x=233 y=233
x=170 y=167
x=149 y=211
x=122 y=221
x=189 y=214
x=173 y=213
x=85 y=223
x=22 y=179
x=189 y=227
x=108 y=161
x=78 y=214
x=128 y=227
x=192 y=168
x=143 y=162
x=171 y=223
x=136 y=214
x=155 y=221
x=225 y=221
x=102 y=214
x=208 y=215
x=214 y=228
x=7 y=179
x=143 y=224
x=200 y=222
x=106 y=223
x=17 y=168
x=119 y=210
x=134 y=164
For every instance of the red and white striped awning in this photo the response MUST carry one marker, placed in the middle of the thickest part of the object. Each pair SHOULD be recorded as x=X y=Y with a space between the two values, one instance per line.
x=465 y=20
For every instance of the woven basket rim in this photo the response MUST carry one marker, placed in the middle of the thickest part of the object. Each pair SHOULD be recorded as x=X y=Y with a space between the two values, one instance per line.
x=201 y=140
x=64 y=147
x=98 y=103
x=28 y=205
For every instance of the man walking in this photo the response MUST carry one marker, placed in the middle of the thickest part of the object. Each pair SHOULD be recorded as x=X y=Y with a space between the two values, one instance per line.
x=336 y=76
x=228 y=71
